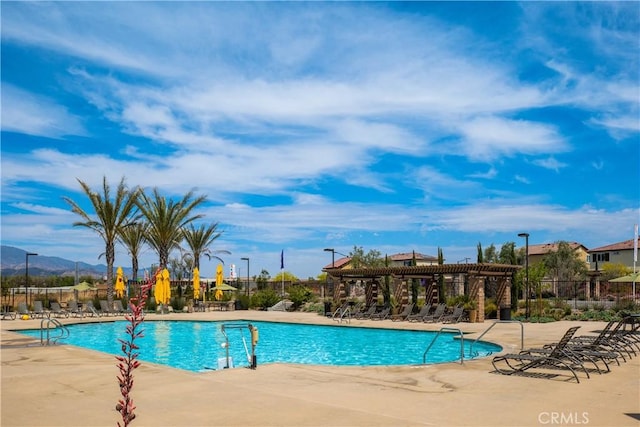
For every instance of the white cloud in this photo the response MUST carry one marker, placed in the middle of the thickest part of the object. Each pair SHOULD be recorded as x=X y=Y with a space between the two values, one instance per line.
x=32 y=114
x=550 y=163
x=491 y=137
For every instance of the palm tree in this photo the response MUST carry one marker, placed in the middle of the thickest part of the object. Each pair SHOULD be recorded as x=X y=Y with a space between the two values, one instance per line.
x=198 y=239
x=111 y=217
x=132 y=238
x=167 y=220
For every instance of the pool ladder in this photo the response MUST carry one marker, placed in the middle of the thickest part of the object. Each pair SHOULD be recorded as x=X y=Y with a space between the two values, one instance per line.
x=494 y=324
x=62 y=330
x=461 y=336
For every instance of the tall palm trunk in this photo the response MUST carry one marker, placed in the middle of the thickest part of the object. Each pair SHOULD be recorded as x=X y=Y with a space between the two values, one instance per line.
x=110 y=255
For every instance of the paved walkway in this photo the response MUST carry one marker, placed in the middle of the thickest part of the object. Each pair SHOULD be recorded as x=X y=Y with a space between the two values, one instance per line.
x=68 y=386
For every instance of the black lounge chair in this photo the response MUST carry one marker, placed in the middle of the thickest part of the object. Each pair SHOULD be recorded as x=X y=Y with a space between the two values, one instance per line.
x=424 y=311
x=555 y=358
x=381 y=315
x=366 y=314
x=403 y=314
x=455 y=316
x=436 y=315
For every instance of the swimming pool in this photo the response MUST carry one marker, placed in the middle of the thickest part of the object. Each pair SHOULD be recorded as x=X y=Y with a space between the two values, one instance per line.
x=197 y=346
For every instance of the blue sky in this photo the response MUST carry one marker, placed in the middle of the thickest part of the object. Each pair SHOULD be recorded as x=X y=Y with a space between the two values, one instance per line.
x=390 y=126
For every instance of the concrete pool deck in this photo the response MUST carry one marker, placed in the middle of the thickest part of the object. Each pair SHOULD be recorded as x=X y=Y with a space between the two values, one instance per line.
x=69 y=386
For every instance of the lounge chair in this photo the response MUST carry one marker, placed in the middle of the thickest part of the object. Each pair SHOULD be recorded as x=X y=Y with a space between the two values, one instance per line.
x=23 y=310
x=532 y=359
x=436 y=315
x=118 y=307
x=57 y=310
x=611 y=339
x=74 y=310
x=403 y=314
x=381 y=315
x=8 y=313
x=90 y=310
x=38 y=310
x=455 y=316
x=366 y=314
x=419 y=315
x=105 y=309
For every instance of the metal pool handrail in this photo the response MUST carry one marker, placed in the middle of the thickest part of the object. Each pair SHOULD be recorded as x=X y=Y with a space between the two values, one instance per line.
x=494 y=324
x=64 y=331
x=254 y=341
x=424 y=356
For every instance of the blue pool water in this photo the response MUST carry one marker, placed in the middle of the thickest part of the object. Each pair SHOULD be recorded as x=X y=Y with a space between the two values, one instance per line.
x=195 y=346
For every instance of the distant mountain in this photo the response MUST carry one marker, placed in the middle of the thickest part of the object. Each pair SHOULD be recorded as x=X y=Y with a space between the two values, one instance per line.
x=13 y=262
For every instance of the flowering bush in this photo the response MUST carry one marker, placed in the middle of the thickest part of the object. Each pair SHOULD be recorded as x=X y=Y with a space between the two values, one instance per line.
x=129 y=362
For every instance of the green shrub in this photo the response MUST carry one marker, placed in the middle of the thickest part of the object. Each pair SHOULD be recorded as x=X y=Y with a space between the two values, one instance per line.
x=490 y=309
x=242 y=302
x=150 y=304
x=177 y=303
x=299 y=295
x=264 y=299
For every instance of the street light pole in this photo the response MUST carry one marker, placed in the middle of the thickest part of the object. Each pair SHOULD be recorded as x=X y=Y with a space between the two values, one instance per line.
x=333 y=264
x=247 y=259
x=333 y=256
x=26 y=276
x=526 y=263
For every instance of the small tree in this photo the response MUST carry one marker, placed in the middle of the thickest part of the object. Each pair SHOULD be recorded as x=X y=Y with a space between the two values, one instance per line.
x=262 y=279
x=299 y=295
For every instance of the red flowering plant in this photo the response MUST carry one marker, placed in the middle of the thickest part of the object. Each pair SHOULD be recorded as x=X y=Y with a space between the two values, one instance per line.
x=129 y=361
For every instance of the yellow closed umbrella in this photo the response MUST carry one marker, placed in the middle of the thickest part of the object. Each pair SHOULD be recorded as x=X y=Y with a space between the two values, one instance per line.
x=219 y=282
x=119 y=283
x=157 y=291
x=196 y=283
x=167 y=286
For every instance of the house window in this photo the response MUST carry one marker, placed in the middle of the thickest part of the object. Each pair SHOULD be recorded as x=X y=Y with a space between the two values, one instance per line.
x=602 y=257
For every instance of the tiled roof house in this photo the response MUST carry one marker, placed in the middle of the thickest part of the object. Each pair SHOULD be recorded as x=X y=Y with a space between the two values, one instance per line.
x=538 y=252
x=621 y=252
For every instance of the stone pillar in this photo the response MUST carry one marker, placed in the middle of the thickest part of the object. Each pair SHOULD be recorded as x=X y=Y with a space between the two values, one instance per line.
x=339 y=293
x=371 y=293
x=400 y=292
x=476 y=293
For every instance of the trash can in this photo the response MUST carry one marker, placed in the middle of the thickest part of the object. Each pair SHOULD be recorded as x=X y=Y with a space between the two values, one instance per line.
x=327 y=308
x=238 y=305
x=505 y=313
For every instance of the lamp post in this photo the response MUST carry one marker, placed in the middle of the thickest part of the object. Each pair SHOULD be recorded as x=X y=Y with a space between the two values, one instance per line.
x=333 y=256
x=247 y=259
x=26 y=275
x=526 y=263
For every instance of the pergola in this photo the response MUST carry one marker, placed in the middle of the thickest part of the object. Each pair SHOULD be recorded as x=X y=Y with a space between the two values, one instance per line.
x=473 y=274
